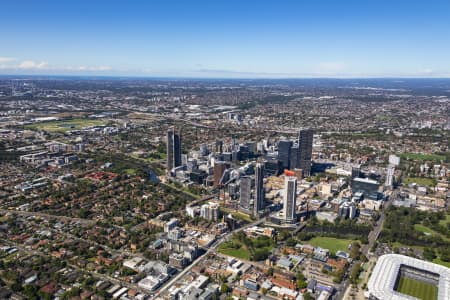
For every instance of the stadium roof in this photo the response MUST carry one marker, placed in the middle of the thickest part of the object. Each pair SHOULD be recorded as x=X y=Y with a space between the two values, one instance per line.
x=382 y=282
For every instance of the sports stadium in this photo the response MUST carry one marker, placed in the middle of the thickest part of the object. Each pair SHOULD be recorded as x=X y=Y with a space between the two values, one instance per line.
x=399 y=277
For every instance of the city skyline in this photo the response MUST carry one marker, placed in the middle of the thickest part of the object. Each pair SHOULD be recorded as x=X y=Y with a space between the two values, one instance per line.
x=229 y=39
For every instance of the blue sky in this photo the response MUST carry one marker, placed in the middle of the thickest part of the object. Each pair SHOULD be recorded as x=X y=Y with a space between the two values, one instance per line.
x=226 y=38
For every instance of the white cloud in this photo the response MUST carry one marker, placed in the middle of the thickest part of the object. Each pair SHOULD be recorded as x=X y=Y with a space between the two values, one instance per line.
x=30 y=64
x=9 y=63
x=4 y=59
x=86 y=68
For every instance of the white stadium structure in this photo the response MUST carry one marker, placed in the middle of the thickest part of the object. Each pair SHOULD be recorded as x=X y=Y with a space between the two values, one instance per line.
x=383 y=282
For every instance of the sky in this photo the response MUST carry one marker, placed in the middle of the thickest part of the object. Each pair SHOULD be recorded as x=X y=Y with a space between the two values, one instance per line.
x=226 y=38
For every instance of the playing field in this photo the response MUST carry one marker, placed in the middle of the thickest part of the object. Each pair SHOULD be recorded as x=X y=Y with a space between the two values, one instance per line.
x=418 y=289
x=330 y=243
x=422 y=157
x=65 y=125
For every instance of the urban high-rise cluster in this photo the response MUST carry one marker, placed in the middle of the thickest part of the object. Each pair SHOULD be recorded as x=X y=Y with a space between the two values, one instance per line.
x=297 y=154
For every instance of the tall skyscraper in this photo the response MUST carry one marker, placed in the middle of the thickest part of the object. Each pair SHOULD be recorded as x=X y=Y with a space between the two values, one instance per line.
x=284 y=150
x=177 y=149
x=245 y=192
x=173 y=149
x=290 y=198
x=305 y=143
x=170 y=162
x=294 y=157
x=259 y=189
x=218 y=171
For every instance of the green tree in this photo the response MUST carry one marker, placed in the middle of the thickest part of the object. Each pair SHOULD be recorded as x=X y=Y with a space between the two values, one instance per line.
x=224 y=288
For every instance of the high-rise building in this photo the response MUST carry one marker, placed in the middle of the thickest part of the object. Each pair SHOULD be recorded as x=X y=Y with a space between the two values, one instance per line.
x=305 y=143
x=356 y=172
x=245 y=192
x=219 y=146
x=272 y=166
x=390 y=176
x=218 y=171
x=173 y=149
x=170 y=161
x=290 y=198
x=177 y=149
x=294 y=157
x=259 y=189
x=284 y=150
x=368 y=187
x=210 y=211
x=394 y=160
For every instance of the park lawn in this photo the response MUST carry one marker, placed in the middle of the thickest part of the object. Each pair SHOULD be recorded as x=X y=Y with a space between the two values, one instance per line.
x=131 y=171
x=249 y=249
x=424 y=229
x=445 y=221
x=149 y=159
x=422 y=157
x=430 y=182
x=418 y=289
x=429 y=231
x=332 y=244
x=65 y=125
x=399 y=245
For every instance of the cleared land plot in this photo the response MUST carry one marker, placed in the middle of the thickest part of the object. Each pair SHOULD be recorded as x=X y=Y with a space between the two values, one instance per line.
x=418 y=289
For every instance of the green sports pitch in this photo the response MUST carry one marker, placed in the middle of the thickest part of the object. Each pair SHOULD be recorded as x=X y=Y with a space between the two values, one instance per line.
x=418 y=289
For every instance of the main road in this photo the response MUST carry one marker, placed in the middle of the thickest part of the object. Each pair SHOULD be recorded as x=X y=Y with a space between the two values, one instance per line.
x=210 y=249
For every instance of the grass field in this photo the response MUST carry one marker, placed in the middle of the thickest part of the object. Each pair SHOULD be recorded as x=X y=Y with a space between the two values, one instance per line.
x=243 y=247
x=418 y=289
x=429 y=231
x=65 y=125
x=424 y=229
x=420 y=181
x=131 y=171
x=445 y=221
x=330 y=243
x=422 y=157
x=238 y=253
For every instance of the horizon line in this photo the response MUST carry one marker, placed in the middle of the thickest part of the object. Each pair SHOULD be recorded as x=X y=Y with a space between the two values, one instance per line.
x=219 y=78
